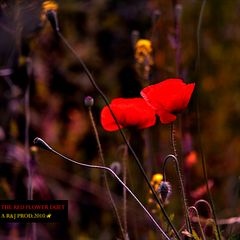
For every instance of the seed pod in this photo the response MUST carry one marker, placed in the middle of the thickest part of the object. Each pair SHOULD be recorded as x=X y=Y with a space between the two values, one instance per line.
x=116 y=167
x=88 y=101
x=165 y=190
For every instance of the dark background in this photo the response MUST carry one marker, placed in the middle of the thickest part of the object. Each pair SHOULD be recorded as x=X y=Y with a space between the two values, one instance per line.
x=33 y=58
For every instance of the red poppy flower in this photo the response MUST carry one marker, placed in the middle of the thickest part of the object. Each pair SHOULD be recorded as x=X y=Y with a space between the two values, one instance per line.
x=168 y=97
x=129 y=112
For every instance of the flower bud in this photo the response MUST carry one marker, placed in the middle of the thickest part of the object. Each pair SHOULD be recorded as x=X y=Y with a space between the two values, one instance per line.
x=165 y=190
x=88 y=101
x=178 y=11
x=116 y=167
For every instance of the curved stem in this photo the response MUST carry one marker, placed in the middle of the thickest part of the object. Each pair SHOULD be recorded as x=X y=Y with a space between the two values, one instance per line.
x=109 y=170
x=105 y=176
x=170 y=156
x=198 y=32
x=198 y=220
x=205 y=174
x=122 y=133
x=206 y=203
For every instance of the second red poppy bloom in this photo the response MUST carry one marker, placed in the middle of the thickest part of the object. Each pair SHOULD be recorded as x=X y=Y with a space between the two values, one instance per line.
x=168 y=98
x=129 y=112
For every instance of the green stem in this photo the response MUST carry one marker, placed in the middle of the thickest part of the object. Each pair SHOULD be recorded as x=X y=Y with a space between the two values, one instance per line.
x=173 y=139
x=206 y=203
x=105 y=175
x=198 y=32
x=198 y=220
x=177 y=15
x=174 y=158
x=205 y=174
x=122 y=134
x=39 y=142
x=124 y=160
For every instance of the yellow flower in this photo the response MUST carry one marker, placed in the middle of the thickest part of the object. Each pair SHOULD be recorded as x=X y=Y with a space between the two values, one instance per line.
x=155 y=182
x=157 y=178
x=144 y=44
x=49 y=5
x=143 y=51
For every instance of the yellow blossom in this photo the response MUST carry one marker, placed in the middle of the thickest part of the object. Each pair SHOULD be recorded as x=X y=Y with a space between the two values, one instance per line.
x=155 y=182
x=49 y=5
x=157 y=178
x=143 y=51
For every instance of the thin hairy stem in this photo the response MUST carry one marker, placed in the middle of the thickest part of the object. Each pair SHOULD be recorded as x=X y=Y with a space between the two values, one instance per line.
x=125 y=186
x=173 y=139
x=105 y=175
x=205 y=174
x=18 y=37
x=34 y=231
x=33 y=227
x=124 y=161
x=174 y=158
x=192 y=208
x=198 y=32
x=26 y=150
x=124 y=149
x=203 y=161
x=26 y=144
x=202 y=201
x=121 y=132
x=129 y=176
x=177 y=17
x=124 y=157
x=39 y=142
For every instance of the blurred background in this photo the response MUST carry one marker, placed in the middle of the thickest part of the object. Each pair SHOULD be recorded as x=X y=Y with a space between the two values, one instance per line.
x=42 y=92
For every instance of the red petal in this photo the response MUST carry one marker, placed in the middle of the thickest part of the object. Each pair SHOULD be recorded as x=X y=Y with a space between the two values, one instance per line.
x=171 y=95
x=108 y=121
x=188 y=93
x=166 y=117
x=129 y=112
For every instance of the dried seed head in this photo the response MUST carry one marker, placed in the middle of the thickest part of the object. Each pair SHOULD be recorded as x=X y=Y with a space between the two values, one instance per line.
x=88 y=101
x=116 y=167
x=165 y=190
x=178 y=11
x=135 y=36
